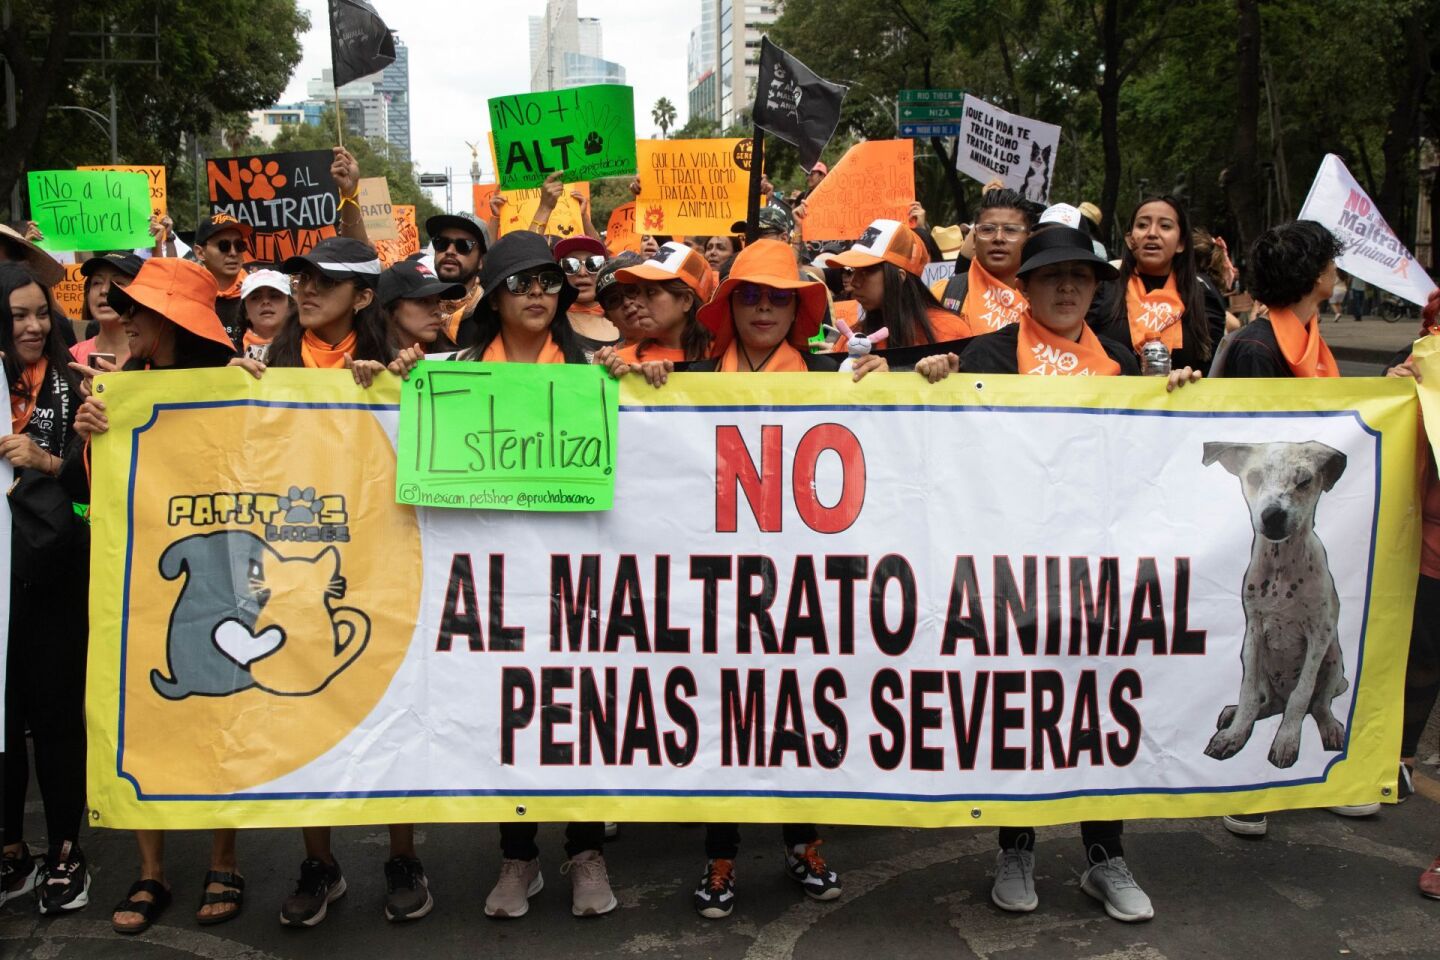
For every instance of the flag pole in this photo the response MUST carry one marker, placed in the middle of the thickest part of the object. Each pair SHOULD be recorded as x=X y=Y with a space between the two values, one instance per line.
x=757 y=173
x=339 y=118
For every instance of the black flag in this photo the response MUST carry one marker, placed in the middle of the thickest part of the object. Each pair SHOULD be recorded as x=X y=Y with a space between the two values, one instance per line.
x=360 y=43
x=794 y=104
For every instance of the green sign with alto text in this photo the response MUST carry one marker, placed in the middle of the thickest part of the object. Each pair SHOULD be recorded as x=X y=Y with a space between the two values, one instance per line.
x=507 y=436
x=586 y=132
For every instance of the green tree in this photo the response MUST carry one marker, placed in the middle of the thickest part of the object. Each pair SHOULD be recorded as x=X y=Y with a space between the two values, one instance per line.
x=663 y=113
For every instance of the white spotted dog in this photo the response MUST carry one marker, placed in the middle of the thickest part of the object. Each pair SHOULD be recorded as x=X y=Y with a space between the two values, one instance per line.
x=1291 y=657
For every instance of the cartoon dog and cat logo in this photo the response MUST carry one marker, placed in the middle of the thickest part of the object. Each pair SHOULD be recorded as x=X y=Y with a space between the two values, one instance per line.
x=249 y=615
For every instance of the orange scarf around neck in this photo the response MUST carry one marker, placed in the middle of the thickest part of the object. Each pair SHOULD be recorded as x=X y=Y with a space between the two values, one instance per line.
x=495 y=352
x=232 y=292
x=990 y=303
x=1306 y=352
x=1039 y=351
x=318 y=354
x=785 y=359
x=22 y=406
x=1155 y=314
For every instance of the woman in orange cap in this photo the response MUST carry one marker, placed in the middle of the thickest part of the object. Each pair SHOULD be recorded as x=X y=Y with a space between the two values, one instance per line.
x=883 y=270
x=170 y=320
x=673 y=286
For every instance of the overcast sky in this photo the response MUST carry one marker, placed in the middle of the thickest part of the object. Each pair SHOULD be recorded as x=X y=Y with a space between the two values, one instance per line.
x=464 y=51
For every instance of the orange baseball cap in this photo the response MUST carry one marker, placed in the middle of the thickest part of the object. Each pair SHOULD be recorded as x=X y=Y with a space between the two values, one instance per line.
x=180 y=291
x=766 y=263
x=674 y=261
x=887 y=241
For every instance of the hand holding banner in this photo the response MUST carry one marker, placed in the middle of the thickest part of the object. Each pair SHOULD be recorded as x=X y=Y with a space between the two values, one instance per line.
x=586 y=132
x=875 y=180
x=507 y=436
x=91 y=210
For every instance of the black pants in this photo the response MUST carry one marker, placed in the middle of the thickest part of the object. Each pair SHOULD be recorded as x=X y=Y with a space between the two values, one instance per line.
x=45 y=691
x=1101 y=834
x=1422 y=671
x=517 y=840
x=722 y=840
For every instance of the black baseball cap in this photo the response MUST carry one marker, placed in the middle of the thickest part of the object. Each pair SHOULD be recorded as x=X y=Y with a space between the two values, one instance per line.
x=339 y=258
x=411 y=280
x=605 y=278
x=459 y=221
x=1057 y=244
x=218 y=222
x=118 y=260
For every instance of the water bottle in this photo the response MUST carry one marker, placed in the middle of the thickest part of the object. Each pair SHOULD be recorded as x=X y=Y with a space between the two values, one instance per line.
x=1155 y=359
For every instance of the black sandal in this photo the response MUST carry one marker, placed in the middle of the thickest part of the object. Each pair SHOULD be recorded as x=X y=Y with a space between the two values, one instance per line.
x=149 y=909
x=235 y=895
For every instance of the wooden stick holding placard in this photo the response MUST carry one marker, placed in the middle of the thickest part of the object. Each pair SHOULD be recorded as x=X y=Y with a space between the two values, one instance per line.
x=757 y=174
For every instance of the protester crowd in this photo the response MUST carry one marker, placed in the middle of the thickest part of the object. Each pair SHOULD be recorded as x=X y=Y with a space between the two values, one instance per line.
x=1033 y=291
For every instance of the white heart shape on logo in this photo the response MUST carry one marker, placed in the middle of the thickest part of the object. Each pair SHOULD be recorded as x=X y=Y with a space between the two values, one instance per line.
x=237 y=642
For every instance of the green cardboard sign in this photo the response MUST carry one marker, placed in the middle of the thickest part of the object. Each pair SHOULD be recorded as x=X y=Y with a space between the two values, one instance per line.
x=507 y=436
x=587 y=132
x=91 y=209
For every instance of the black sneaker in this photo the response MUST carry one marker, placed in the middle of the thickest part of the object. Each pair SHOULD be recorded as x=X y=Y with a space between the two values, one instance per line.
x=808 y=869
x=321 y=884
x=407 y=892
x=65 y=882
x=18 y=873
x=715 y=896
x=1405 y=784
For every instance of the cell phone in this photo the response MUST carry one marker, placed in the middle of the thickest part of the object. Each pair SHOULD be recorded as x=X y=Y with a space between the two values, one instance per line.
x=107 y=357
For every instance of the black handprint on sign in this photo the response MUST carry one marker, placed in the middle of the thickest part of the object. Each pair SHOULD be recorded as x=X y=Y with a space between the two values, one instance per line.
x=593 y=143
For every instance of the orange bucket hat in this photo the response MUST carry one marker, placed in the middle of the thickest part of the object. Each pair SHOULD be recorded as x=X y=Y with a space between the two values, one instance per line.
x=674 y=261
x=887 y=241
x=180 y=291
x=766 y=263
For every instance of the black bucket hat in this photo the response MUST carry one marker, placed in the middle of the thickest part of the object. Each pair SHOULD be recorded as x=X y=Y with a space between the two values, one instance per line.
x=1057 y=244
x=339 y=258
x=516 y=253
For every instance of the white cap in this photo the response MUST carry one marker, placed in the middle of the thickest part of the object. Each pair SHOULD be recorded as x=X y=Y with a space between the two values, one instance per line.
x=1063 y=213
x=273 y=279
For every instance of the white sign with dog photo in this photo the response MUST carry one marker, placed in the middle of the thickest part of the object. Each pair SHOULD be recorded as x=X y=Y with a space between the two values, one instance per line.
x=1018 y=150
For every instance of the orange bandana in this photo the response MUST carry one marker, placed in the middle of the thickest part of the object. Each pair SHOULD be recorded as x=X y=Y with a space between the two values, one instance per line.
x=785 y=359
x=591 y=309
x=990 y=303
x=23 y=407
x=653 y=351
x=1154 y=314
x=232 y=292
x=1041 y=352
x=318 y=354
x=1305 y=351
x=495 y=352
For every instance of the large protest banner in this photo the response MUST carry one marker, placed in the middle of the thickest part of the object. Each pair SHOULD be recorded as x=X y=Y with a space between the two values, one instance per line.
x=585 y=132
x=154 y=173
x=785 y=617
x=995 y=143
x=288 y=198
x=693 y=187
x=874 y=180
x=90 y=210
x=1372 y=251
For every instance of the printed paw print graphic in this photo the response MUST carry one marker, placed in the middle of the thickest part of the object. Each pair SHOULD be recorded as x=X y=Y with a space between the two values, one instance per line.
x=593 y=143
x=263 y=178
x=565 y=229
x=299 y=505
x=654 y=219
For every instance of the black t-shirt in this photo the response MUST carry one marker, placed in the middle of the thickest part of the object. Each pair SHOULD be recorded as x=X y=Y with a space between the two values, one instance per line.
x=590 y=346
x=1105 y=321
x=996 y=353
x=1254 y=352
x=231 y=311
x=53 y=419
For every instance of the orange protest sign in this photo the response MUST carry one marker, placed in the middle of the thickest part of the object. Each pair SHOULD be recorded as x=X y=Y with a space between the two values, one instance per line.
x=565 y=220
x=70 y=292
x=407 y=236
x=874 y=180
x=620 y=232
x=480 y=194
x=693 y=187
x=157 y=182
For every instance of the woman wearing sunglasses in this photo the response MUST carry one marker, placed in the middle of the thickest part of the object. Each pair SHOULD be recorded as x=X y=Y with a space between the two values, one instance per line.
x=671 y=287
x=580 y=259
x=883 y=274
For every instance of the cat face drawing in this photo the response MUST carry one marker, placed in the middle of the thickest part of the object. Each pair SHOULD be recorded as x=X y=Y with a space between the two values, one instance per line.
x=248 y=616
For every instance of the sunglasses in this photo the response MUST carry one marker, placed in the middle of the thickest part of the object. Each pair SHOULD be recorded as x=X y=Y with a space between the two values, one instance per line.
x=573 y=265
x=228 y=246
x=462 y=246
x=309 y=278
x=549 y=281
x=750 y=294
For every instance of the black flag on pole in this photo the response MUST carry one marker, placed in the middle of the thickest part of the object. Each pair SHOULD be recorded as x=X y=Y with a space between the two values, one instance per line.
x=360 y=43
x=794 y=104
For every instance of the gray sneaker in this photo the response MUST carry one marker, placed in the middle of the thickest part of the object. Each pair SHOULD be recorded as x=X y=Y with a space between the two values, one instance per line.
x=1014 y=887
x=519 y=881
x=590 y=894
x=1111 y=882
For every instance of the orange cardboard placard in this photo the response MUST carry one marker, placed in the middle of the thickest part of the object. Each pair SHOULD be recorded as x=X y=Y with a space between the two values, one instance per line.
x=875 y=180
x=693 y=187
x=407 y=236
x=620 y=232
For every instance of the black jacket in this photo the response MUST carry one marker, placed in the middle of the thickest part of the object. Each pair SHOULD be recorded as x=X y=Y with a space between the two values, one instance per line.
x=995 y=353
x=1106 y=322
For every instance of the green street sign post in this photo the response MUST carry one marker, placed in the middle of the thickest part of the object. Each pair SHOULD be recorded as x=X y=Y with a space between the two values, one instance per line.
x=932 y=96
x=916 y=113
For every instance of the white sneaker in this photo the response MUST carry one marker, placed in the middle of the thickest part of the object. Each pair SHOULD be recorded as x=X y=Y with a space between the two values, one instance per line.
x=1111 y=882
x=1246 y=824
x=1014 y=886
x=519 y=881
x=590 y=893
x=1356 y=810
